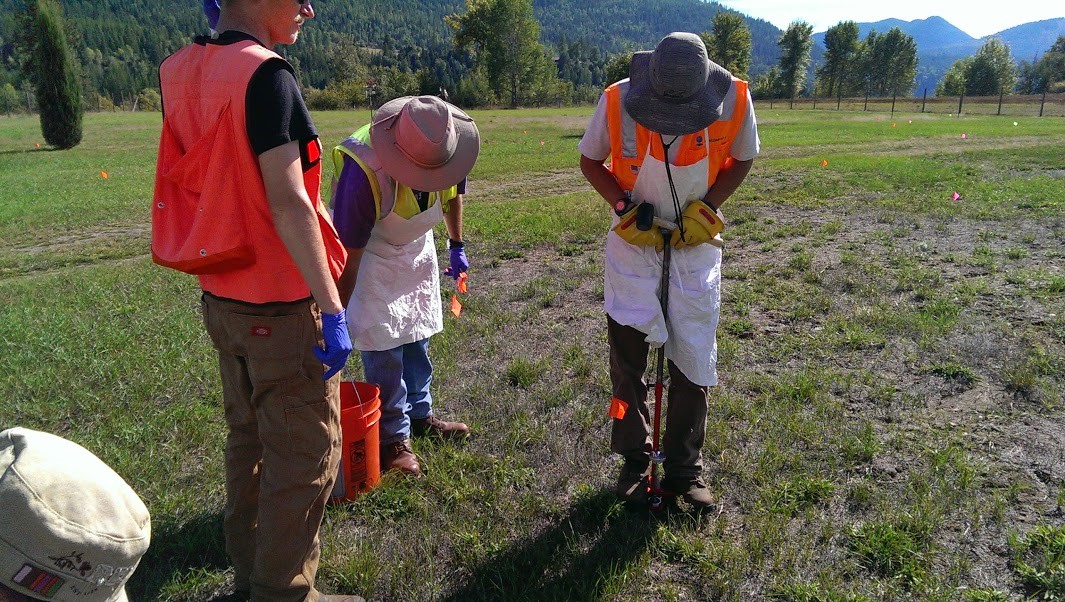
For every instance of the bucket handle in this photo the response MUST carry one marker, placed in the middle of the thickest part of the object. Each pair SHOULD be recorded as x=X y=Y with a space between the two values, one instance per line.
x=354 y=388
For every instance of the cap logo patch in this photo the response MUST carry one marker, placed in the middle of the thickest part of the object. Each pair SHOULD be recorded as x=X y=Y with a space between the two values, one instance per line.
x=72 y=562
x=260 y=331
x=38 y=581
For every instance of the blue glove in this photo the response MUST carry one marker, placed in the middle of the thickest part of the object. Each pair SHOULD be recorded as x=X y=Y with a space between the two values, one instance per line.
x=459 y=263
x=212 y=10
x=337 y=343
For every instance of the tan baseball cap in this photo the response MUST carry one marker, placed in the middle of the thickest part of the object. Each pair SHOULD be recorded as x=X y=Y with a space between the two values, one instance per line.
x=70 y=527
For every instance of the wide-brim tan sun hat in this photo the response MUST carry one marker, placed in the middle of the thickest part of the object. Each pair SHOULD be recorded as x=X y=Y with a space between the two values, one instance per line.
x=676 y=89
x=71 y=529
x=425 y=143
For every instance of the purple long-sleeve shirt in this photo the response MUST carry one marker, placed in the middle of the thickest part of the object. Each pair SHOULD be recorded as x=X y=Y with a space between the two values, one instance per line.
x=354 y=213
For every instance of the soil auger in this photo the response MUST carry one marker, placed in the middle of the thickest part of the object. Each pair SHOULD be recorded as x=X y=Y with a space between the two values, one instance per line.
x=655 y=494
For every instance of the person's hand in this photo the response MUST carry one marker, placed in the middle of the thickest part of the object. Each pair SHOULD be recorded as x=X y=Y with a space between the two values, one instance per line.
x=337 y=343
x=700 y=224
x=628 y=232
x=459 y=263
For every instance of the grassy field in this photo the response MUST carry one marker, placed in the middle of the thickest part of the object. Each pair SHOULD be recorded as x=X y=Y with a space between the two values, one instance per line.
x=890 y=423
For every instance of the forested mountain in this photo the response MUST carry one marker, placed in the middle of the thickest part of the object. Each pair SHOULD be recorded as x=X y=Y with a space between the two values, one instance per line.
x=121 y=42
x=940 y=44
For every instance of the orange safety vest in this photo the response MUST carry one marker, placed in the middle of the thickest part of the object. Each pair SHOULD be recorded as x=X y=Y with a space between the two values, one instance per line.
x=210 y=215
x=629 y=140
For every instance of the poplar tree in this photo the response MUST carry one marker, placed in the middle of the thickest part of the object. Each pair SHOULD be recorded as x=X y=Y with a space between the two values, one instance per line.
x=841 y=49
x=795 y=44
x=729 y=43
x=992 y=70
x=53 y=72
x=505 y=37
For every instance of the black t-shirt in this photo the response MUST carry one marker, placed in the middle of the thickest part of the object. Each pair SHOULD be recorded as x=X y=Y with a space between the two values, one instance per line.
x=275 y=113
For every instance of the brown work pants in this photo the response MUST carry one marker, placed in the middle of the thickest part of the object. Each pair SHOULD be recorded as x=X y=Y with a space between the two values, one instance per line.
x=685 y=408
x=283 y=445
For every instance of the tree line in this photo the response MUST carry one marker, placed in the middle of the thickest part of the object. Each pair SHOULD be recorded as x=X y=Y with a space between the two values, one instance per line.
x=487 y=53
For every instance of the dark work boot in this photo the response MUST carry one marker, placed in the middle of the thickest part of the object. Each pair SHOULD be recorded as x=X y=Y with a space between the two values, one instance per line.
x=692 y=489
x=633 y=481
x=398 y=455
x=432 y=426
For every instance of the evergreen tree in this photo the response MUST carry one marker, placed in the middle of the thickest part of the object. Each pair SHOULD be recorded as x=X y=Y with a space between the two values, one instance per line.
x=729 y=43
x=795 y=45
x=55 y=77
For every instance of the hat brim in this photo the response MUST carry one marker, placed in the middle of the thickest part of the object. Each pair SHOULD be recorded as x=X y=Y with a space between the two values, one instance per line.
x=397 y=165
x=670 y=117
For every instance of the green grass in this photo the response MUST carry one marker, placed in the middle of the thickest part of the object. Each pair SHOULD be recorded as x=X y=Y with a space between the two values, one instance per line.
x=892 y=363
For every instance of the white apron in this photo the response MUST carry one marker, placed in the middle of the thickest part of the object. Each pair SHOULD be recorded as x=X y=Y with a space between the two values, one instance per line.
x=633 y=275
x=397 y=294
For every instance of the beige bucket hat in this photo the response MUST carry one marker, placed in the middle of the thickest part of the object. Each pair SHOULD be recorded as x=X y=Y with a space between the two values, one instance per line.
x=676 y=89
x=70 y=527
x=424 y=142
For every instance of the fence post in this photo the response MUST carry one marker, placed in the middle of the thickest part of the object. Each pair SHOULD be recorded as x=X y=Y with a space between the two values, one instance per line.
x=1000 y=93
x=1042 y=102
x=893 y=105
x=866 y=106
x=960 y=99
x=924 y=99
x=839 y=98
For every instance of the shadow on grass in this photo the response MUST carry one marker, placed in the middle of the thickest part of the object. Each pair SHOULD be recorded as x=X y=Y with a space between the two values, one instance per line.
x=574 y=559
x=176 y=551
x=24 y=151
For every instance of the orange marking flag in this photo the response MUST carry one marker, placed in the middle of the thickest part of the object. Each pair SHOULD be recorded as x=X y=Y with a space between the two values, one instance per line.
x=456 y=306
x=462 y=286
x=618 y=408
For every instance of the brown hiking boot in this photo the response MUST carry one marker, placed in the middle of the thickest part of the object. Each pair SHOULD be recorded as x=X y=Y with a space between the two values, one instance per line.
x=632 y=481
x=398 y=455
x=692 y=489
x=432 y=426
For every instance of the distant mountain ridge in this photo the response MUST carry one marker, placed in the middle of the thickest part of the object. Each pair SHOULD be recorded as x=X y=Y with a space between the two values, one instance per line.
x=138 y=34
x=940 y=44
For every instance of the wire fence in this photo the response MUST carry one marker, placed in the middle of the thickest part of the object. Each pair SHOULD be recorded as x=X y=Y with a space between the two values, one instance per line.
x=1017 y=105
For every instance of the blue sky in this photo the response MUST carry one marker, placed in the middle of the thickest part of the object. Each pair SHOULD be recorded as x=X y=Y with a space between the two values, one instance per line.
x=976 y=18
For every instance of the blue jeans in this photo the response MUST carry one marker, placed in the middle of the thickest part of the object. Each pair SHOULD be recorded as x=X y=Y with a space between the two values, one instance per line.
x=404 y=374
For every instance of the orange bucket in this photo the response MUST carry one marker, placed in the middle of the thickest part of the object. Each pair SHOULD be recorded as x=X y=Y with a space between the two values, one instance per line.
x=360 y=463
